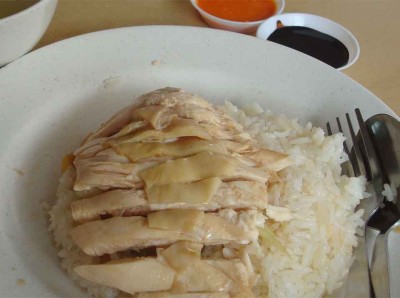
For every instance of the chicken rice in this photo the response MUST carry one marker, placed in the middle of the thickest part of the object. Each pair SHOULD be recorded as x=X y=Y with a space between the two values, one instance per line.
x=174 y=197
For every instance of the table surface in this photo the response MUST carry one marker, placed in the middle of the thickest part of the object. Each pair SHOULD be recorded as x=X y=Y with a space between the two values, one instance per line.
x=375 y=23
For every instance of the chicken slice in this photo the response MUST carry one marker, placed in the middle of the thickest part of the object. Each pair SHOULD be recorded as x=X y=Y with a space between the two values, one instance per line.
x=275 y=161
x=181 y=254
x=162 y=228
x=125 y=116
x=202 y=166
x=115 y=202
x=233 y=195
x=150 y=275
x=130 y=275
x=115 y=124
x=90 y=148
x=131 y=128
x=158 y=116
x=160 y=106
x=219 y=275
x=178 y=128
x=228 y=276
x=209 y=115
x=184 y=295
x=172 y=97
x=181 y=148
x=99 y=237
x=190 y=106
x=199 y=192
x=185 y=221
x=109 y=169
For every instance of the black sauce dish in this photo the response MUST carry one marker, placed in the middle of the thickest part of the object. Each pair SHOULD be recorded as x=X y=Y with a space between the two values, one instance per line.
x=313 y=35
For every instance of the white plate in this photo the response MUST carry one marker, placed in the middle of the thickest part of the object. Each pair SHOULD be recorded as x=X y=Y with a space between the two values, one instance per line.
x=51 y=98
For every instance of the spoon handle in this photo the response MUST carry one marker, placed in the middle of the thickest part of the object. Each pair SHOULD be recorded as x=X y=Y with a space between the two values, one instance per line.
x=393 y=257
x=379 y=267
x=358 y=280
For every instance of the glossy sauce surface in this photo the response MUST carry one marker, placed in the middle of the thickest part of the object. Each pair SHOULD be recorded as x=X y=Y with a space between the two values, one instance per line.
x=313 y=43
x=239 y=10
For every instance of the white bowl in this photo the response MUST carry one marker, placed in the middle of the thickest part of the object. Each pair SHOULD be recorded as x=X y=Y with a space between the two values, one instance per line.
x=321 y=24
x=241 y=27
x=20 y=32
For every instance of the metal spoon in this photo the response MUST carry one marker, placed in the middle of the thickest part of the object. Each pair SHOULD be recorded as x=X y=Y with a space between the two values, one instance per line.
x=385 y=132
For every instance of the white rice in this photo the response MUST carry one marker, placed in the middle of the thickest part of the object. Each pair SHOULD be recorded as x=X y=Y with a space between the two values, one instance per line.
x=318 y=240
x=390 y=192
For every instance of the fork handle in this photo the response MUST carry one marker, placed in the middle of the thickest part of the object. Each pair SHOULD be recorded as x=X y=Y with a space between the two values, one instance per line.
x=379 y=267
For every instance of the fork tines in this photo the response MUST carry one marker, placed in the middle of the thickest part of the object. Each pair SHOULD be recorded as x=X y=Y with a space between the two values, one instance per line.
x=362 y=156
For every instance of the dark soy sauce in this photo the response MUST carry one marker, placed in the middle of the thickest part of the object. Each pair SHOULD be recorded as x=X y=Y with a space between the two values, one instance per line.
x=313 y=43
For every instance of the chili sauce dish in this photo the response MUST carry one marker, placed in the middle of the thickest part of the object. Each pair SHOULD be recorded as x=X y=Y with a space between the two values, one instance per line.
x=241 y=16
x=313 y=35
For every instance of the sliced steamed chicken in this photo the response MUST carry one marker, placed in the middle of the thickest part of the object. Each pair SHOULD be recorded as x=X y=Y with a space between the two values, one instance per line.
x=192 y=295
x=178 y=268
x=163 y=116
x=173 y=173
x=208 y=195
x=110 y=170
x=160 y=228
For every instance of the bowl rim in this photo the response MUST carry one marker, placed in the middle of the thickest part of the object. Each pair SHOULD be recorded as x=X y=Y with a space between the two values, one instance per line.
x=22 y=12
x=324 y=19
x=218 y=19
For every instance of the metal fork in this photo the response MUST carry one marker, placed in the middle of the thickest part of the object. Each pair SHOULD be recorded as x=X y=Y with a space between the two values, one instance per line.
x=362 y=161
